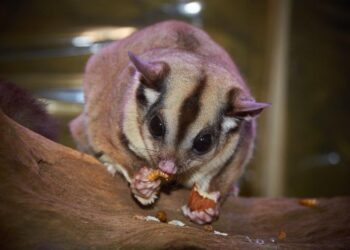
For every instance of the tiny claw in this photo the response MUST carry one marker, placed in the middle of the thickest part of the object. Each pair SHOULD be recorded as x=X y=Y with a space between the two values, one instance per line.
x=144 y=171
x=210 y=211
x=216 y=195
x=204 y=216
x=200 y=217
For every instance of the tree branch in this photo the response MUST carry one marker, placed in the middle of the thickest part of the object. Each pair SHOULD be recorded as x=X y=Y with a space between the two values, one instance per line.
x=53 y=197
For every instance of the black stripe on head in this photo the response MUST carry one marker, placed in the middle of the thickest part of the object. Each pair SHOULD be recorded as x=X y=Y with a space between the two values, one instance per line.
x=228 y=109
x=155 y=107
x=231 y=96
x=190 y=108
x=157 y=85
x=140 y=95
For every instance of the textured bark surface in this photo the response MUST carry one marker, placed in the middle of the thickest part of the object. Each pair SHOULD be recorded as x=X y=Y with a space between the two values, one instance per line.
x=53 y=197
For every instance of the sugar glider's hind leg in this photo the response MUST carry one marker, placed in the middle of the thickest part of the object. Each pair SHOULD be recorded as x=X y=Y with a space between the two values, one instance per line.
x=77 y=129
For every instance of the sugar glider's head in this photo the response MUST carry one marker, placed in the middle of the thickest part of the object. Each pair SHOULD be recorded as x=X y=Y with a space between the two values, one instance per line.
x=184 y=112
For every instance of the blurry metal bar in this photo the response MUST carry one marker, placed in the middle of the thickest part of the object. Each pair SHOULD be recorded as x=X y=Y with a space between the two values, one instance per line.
x=62 y=108
x=46 y=81
x=31 y=54
x=66 y=44
x=274 y=162
x=63 y=95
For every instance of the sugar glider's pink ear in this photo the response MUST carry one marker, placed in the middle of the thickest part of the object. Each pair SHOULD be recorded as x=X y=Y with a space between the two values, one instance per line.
x=247 y=107
x=152 y=72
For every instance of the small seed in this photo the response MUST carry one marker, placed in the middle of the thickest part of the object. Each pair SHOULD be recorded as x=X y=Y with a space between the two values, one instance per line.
x=208 y=228
x=282 y=235
x=308 y=202
x=161 y=215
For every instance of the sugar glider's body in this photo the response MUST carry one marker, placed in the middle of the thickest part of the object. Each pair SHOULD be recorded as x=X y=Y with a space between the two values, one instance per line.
x=168 y=97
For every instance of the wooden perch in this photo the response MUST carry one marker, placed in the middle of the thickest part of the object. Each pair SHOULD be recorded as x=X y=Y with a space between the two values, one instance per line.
x=53 y=197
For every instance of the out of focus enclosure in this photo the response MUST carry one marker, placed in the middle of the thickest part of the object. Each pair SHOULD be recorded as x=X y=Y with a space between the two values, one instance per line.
x=294 y=54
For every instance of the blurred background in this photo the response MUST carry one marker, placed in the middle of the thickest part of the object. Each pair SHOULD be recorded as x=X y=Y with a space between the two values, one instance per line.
x=294 y=54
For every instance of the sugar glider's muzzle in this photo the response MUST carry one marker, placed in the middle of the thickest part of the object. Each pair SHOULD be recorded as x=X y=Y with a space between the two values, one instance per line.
x=168 y=166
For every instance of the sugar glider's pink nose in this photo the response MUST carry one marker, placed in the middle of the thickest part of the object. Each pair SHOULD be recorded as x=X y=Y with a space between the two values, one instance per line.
x=167 y=166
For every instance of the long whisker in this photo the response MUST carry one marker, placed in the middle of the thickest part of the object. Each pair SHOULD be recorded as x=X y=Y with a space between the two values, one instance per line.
x=147 y=149
x=150 y=152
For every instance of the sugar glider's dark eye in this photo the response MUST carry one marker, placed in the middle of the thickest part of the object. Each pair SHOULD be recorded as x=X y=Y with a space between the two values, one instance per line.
x=157 y=127
x=202 y=143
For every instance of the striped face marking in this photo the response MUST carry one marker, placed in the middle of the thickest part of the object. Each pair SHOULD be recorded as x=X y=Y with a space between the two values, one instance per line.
x=183 y=121
x=190 y=108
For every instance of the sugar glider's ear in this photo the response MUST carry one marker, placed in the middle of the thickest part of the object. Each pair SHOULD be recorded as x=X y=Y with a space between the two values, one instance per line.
x=153 y=72
x=247 y=108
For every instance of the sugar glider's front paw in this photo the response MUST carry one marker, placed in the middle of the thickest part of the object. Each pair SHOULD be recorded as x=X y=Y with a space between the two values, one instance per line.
x=201 y=216
x=144 y=189
x=202 y=207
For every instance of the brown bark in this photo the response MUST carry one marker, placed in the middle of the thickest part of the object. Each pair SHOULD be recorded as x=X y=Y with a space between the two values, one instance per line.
x=53 y=197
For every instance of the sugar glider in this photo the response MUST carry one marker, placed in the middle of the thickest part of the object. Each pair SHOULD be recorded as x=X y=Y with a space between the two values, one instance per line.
x=169 y=98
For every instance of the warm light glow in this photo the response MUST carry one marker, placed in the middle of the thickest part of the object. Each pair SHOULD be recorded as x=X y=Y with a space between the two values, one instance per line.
x=192 y=8
x=65 y=95
x=82 y=41
x=59 y=108
x=89 y=37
